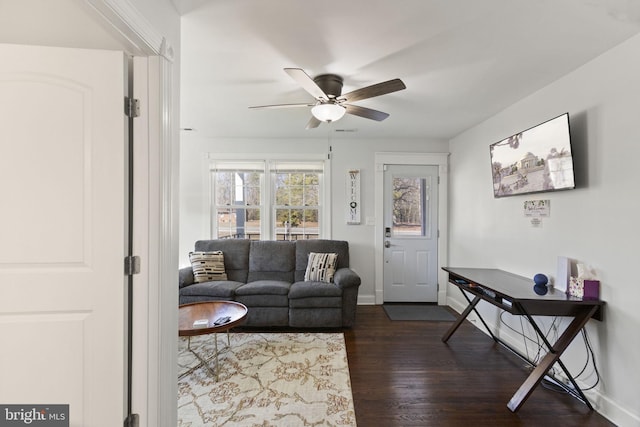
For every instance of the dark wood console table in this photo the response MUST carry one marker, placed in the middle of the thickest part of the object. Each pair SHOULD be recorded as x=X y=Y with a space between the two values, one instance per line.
x=515 y=294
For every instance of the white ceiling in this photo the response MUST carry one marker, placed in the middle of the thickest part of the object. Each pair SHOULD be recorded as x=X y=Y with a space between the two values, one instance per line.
x=461 y=60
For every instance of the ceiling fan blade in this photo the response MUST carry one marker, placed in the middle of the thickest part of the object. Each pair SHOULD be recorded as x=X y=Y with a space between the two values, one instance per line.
x=307 y=83
x=374 y=90
x=283 y=106
x=367 y=113
x=313 y=123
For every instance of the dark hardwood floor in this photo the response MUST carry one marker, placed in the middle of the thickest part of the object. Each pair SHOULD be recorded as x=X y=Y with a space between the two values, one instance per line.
x=402 y=374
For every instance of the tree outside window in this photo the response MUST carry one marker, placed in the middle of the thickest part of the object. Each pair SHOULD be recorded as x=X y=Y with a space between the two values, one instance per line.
x=297 y=205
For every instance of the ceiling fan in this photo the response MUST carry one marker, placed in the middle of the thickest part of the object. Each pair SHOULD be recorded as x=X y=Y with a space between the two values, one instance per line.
x=330 y=105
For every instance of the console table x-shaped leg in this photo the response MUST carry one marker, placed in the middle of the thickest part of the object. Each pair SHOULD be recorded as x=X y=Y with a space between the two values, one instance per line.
x=555 y=350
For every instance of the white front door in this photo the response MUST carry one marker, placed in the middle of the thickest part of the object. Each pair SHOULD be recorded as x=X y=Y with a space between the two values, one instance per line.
x=63 y=183
x=410 y=233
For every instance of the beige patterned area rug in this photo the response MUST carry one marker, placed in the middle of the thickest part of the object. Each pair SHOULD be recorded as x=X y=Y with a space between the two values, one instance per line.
x=265 y=380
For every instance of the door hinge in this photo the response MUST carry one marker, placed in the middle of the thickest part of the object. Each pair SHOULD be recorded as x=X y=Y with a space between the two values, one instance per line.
x=131 y=107
x=133 y=420
x=131 y=265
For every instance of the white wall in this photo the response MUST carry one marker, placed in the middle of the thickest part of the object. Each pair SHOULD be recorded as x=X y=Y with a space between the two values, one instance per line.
x=595 y=224
x=346 y=154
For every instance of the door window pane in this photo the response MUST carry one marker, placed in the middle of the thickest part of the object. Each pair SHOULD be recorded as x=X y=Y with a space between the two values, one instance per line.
x=409 y=199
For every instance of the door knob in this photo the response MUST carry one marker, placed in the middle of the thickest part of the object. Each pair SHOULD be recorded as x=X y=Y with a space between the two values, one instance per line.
x=387 y=244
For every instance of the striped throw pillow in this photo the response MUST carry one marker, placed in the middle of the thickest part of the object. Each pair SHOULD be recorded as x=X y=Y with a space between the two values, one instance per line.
x=321 y=267
x=207 y=266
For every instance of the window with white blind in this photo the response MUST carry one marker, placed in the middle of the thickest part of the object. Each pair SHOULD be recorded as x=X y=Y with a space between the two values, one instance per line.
x=266 y=200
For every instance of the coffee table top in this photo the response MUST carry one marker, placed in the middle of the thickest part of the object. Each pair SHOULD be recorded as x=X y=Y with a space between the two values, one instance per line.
x=211 y=311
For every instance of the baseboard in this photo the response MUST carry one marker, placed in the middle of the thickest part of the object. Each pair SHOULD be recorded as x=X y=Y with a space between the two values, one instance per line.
x=366 y=300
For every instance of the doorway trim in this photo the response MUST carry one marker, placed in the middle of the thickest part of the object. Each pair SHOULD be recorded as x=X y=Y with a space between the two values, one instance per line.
x=135 y=31
x=155 y=317
x=423 y=159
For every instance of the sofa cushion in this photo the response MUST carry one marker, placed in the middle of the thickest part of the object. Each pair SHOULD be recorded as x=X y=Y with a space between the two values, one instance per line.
x=252 y=301
x=264 y=287
x=321 y=267
x=271 y=260
x=264 y=293
x=207 y=266
x=236 y=255
x=313 y=290
x=268 y=316
x=220 y=289
x=316 y=302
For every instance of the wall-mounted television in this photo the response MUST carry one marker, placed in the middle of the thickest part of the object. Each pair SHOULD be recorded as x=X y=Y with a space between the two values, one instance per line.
x=535 y=160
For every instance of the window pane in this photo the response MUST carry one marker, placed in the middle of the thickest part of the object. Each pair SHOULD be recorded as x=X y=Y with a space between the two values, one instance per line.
x=282 y=196
x=311 y=224
x=252 y=224
x=289 y=189
x=297 y=189
x=408 y=206
x=227 y=221
x=312 y=179
x=282 y=226
x=238 y=223
x=296 y=224
x=311 y=197
x=252 y=188
x=239 y=197
x=237 y=188
x=297 y=197
x=223 y=185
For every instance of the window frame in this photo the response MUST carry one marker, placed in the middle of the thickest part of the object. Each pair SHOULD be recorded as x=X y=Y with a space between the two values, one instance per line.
x=267 y=203
x=233 y=167
x=291 y=167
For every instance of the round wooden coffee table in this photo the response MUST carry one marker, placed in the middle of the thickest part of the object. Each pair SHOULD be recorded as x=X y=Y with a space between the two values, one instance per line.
x=211 y=317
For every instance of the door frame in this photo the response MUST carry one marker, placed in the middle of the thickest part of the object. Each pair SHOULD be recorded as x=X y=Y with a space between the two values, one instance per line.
x=402 y=273
x=421 y=159
x=155 y=236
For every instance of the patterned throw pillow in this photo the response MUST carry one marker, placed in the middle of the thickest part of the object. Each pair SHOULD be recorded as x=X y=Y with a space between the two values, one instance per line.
x=207 y=266
x=321 y=267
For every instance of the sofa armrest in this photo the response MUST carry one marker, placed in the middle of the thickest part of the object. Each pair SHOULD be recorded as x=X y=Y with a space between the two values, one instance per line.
x=346 y=278
x=185 y=277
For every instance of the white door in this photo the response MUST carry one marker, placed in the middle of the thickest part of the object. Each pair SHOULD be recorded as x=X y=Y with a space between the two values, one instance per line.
x=63 y=185
x=410 y=233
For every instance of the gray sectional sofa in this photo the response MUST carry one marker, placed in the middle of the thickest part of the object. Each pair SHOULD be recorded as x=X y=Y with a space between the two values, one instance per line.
x=268 y=277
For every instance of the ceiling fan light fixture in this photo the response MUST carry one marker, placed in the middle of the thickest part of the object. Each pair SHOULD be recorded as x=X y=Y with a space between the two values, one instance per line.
x=328 y=112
